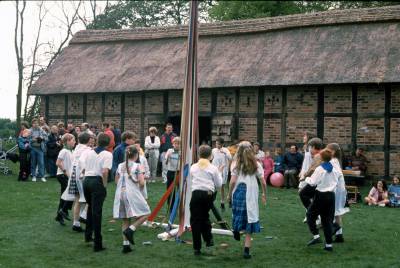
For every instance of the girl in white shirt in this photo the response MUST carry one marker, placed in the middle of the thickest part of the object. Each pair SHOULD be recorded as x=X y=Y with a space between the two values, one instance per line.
x=129 y=201
x=243 y=190
x=152 y=151
x=325 y=178
x=220 y=158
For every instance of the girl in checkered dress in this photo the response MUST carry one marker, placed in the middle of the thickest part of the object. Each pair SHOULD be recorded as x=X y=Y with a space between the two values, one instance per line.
x=243 y=190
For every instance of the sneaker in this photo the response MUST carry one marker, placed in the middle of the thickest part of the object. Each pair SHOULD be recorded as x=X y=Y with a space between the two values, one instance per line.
x=34 y=179
x=98 y=248
x=126 y=249
x=43 y=179
x=88 y=239
x=82 y=220
x=64 y=215
x=60 y=219
x=128 y=232
x=330 y=249
x=339 y=239
x=314 y=241
x=77 y=229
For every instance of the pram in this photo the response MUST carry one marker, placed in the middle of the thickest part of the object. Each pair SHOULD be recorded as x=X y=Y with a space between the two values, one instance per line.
x=7 y=155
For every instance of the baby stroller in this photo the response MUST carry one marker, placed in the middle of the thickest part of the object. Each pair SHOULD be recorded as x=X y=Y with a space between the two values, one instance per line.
x=7 y=155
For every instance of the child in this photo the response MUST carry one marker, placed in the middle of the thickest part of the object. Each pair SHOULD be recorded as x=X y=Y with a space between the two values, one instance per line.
x=221 y=158
x=378 y=195
x=340 y=193
x=394 y=193
x=74 y=190
x=64 y=167
x=24 y=159
x=206 y=179
x=243 y=190
x=152 y=148
x=97 y=165
x=278 y=160
x=129 y=201
x=259 y=153
x=325 y=179
x=268 y=165
x=143 y=162
x=172 y=157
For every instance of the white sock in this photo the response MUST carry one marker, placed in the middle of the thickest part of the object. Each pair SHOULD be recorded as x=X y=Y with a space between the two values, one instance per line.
x=77 y=224
x=339 y=232
x=132 y=227
x=125 y=243
x=328 y=245
x=83 y=214
x=316 y=236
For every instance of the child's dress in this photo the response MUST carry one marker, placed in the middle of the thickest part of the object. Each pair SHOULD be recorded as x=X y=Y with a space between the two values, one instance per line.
x=129 y=201
x=245 y=211
x=341 y=192
x=394 y=195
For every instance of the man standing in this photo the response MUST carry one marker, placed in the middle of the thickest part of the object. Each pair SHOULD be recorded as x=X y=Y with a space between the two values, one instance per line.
x=166 y=143
x=38 y=140
x=107 y=130
x=292 y=164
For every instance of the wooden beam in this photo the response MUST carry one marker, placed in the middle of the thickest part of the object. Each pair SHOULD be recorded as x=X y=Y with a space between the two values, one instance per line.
x=354 y=117
x=122 y=125
x=260 y=116
x=320 y=112
x=142 y=117
x=84 y=108
x=283 y=117
x=66 y=109
x=103 y=106
x=388 y=102
x=236 y=115
x=46 y=107
x=166 y=105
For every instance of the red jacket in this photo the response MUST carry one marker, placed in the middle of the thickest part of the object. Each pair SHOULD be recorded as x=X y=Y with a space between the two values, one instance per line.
x=110 y=134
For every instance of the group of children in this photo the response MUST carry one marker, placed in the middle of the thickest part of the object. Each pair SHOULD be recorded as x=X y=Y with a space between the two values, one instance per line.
x=381 y=195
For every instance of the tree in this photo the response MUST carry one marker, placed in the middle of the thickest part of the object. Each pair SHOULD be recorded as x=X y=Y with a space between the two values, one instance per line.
x=236 y=10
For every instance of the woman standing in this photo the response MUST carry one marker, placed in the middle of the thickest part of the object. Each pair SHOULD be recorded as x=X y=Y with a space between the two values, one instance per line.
x=152 y=152
x=243 y=189
x=53 y=148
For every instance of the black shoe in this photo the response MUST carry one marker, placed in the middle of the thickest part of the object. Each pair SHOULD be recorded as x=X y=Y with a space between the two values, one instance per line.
x=236 y=235
x=82 y=220
x=314 y=241
x=60 y=220
x=230 y=204
x=126 y=249
x=64 y=215
x=222 y=206
x=336 y=227
x=77 y=229
x=330 y=249
x=98 y=248
x=88 y=239
x=197 y=252
x=339 y=239
x=246 y=255
x=128 y=232
x=210 y=243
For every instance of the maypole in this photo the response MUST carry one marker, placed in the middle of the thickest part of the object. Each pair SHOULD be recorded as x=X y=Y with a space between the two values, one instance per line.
x=189 y=121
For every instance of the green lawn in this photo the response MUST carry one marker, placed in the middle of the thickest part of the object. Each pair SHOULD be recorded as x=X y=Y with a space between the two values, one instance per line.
x=29 y=236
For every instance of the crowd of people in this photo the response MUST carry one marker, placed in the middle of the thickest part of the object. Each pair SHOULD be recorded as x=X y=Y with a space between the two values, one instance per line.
x=84 y=159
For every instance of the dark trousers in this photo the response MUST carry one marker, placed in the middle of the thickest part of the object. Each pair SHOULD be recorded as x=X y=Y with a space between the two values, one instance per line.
x=307 y=194
x=200 y=205
x=170 y=180
x=324 y=206
x=24 y=166
x=290 y=178
x=95 y=193
x=62 y=204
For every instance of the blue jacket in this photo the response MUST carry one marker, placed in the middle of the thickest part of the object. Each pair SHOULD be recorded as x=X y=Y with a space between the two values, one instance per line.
x=118 y=156
x=293 y=161
x=22 y=141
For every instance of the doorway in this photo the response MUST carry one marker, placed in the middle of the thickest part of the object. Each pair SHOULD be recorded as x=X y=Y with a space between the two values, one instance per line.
x=204 y=128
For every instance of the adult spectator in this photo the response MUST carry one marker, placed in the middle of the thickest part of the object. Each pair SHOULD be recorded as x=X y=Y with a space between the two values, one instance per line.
x=359 y=161
x=37 y=145
x=107 y=130
x=292 y=162
x=53 y=148
x=257 y=152
x=166 y=144
x=85 y=127
x=152 y=151
x=71 y=130
x=24 y=125
x=42 y=122
x=61 y=128
x=117 y=133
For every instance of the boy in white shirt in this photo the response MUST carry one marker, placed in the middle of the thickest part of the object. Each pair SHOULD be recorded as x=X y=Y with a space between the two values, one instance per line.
x=221 y=157
x=206 y=179
x=325 y=179
x=98 y=163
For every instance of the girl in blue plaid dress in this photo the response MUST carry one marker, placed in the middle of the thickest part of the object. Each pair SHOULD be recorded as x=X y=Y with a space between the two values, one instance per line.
x=243 y=191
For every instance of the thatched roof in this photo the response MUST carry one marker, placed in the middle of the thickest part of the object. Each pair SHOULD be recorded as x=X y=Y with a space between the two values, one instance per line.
x=334 y=47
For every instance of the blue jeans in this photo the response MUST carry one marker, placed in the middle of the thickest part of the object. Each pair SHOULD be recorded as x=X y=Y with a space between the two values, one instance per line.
x=37 y=159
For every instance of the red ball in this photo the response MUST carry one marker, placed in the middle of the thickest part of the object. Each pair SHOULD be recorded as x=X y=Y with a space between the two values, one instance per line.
x=276 y=179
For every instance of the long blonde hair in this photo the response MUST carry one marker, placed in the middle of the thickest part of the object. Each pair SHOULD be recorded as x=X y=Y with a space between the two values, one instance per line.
x=131 y=152
x=246 y=161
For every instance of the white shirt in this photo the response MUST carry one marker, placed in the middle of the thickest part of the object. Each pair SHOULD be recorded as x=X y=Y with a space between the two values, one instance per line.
x=307 y=161
x=205 y=177
x=148 y=145
x=260 y=155
x=324 y=180
x=66 y=156
x=221 y=157
x=95 y=163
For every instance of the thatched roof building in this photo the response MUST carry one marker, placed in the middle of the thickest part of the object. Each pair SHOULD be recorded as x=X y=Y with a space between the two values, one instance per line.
x=335 y=73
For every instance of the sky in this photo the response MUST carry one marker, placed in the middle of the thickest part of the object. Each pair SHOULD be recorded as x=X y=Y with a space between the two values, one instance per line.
x=52 y=31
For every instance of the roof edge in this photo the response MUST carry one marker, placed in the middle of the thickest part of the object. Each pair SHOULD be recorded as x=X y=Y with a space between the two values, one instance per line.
x=332 y=17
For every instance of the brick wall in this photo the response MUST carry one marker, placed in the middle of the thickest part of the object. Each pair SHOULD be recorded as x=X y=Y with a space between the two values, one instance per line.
x=154 y=102
x=175 y=101
x=112 y=104
x=248 y=100
x=337 y=129
x=133 y=124
x=133 y=104
x=371 y=100
x=395 y=163
x=56 y=105
x=204 y=100
x=296 y=126
x=376 y=163
x=75 y=104
x=226 y=101
x=273 y=101
x=248 y=129
x=395 y=131
x=272 y=131
x=395 y=99
x=94 y=105
x=370 y=131
x=337 y=100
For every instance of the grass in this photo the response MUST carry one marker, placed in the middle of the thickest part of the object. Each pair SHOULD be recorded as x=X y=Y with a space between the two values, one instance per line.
x=29 y=236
